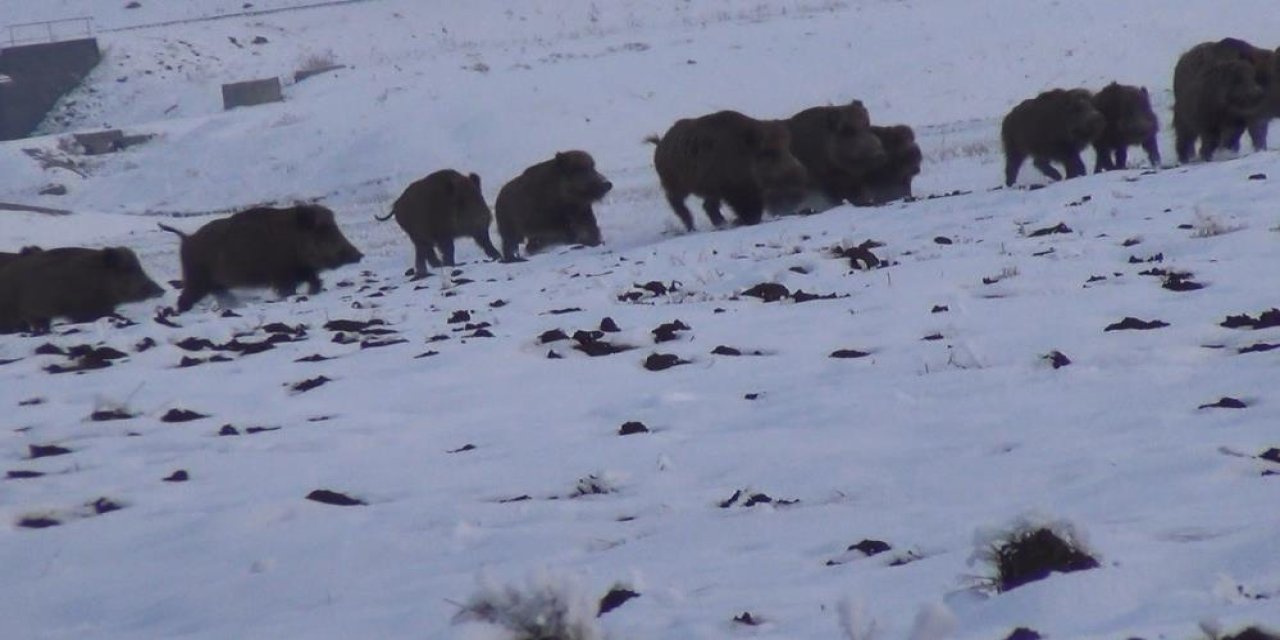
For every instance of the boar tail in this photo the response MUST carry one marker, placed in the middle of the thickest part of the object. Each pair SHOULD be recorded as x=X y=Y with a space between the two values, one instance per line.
x=652 y=139
x=172 y=230
x=382 y=219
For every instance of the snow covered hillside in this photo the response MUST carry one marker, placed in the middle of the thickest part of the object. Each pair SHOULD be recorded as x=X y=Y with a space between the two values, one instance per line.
x=1018 y=356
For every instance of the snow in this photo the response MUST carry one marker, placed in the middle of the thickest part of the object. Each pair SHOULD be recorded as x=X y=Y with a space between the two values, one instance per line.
x=929 y=445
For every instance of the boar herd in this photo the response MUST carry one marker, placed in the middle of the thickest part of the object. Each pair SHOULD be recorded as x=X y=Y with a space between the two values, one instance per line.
x=829 y=153
x=1221 y=90
x=818 y=158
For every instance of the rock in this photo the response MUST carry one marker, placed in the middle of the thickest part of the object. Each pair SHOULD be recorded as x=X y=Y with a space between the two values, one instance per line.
x=1057 y=228
x=1057 y=359
x=870 y=547
x=1131 y=323
x=37 y=522
x=632 y=427
x=662 y=361
x=614 y=599
x=667 y=332
x=1225 y=402
x=848 y=353
x=553 y=335
x=181 y=415
x=104 y=415
x=309 y=384
x=105 y=505
x=768 y=292
x=325 y=496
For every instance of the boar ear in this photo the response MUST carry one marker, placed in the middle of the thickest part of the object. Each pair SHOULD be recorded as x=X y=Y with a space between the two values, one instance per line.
x=475 y=179
x=1144 y=92
x=561 y=158
x=306 y=217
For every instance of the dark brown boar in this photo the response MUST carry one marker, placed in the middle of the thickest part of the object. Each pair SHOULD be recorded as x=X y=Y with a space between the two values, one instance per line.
x=1054 y=126
x=1266 y=71
x=551 y=203
x=76 y=283
x=729 y=157
x=838 y=150
x=261 y=247
x=1130 y=121
x=1216 y=95
x=439 y=208
x=892 y=180
x=6 y=258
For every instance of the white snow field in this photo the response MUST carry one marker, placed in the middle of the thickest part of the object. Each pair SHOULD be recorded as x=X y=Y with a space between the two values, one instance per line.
x=953 y=427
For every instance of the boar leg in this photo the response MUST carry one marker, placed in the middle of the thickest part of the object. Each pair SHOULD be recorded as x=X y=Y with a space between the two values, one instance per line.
x=286 y=288
x=1153 y=151
x=747 y=203
x=312 y=278
x=1102 y=161
x=1012 y=164
x=1209 y=143
x=1184 y=141
x=193 y=290
x=510 y=244
x=1074 y=165
x=712 y=208
x=445 y=243
x=482 y=239
x=39 y=326
x=1258 y=133
x=1047 y=169
x=1231 y=135
x=682 y=210
x=422 y=254
x=1122 y=157
x=429 y=252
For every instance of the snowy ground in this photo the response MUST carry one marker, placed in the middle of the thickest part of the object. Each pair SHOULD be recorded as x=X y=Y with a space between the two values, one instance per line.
x=953 y=426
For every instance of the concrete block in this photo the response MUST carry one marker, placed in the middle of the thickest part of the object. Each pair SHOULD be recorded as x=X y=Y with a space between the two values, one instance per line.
x=251 y=92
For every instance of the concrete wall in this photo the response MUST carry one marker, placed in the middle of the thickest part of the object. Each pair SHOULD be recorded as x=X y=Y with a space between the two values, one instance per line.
x=41 y=74
x=251 y=92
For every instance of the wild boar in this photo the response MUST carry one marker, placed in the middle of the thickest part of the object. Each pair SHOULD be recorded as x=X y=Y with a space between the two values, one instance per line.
x=1216 y=96
x=727 y=156
x=892 y=180
x=439 y=208
x=551 y=203
x=1055 y=126
x=838 y=150
x=1129 y=121
x=76 y=283
x=262 y=247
